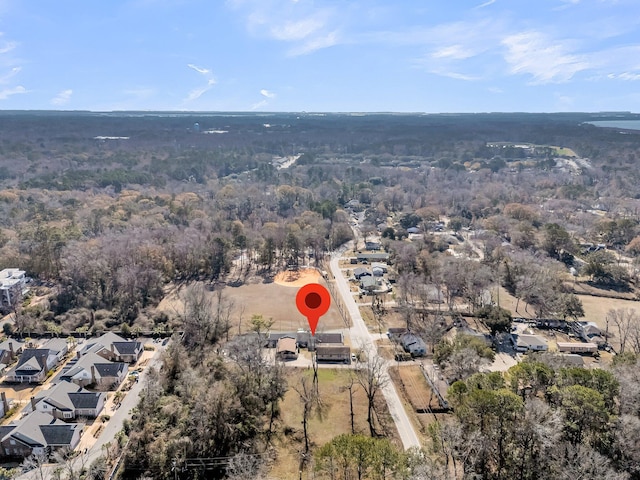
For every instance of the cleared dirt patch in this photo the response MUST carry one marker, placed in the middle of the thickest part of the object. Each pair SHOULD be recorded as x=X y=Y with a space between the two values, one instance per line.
x=297 y=278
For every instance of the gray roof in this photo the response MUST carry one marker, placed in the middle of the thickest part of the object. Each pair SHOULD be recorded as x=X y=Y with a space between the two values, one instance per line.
x=56 y=344
x=41 y=429
x=103 y=368
x=31 y=361
x=17 y=344
x=127 y=348
x=328 y=338
x=111 y=369
x=333 y=349
x=69 y=396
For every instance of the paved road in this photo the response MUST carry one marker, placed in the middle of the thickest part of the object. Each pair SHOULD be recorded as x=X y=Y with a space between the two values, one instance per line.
x=360 y=337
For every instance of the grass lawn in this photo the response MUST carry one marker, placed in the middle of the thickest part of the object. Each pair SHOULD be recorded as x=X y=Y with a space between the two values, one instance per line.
x=331 y=418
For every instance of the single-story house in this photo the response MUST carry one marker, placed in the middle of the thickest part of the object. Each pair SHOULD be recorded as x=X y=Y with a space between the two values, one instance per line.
x=395 y=333
x=287 y=349
x=333 y=353
x=413 y=344
x=38 y=433
x=373 y=257
x=360 y=272
x=368 y=284
x=381 y=265
x=372 y=245
x=114 y=348
x=9 y=350
x=325 y=338
x=529 y=343
x=68 y=401
x=272 y=339
x=577 y=347
x=58 y=347
x=92 y=369
x=33 y=366
x=377 y=271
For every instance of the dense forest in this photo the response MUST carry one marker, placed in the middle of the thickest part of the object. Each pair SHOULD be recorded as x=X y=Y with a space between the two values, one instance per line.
x=107 y=212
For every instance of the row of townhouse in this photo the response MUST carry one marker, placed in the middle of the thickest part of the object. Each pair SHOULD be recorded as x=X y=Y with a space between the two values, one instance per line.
x=50 y=420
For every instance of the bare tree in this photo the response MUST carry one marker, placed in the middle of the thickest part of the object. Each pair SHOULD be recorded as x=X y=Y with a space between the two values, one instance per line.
x=626 y=321
x=372 y=377
x=307 y=396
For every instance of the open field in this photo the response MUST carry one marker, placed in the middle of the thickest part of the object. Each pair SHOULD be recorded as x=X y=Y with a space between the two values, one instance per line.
x=332 y=418
x=276 y=301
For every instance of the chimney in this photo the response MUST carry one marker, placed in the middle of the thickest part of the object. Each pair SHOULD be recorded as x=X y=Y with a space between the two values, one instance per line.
x=93 y=374
x=78 y=355
x=11 y=348
x=5 y=404
x=33 y=402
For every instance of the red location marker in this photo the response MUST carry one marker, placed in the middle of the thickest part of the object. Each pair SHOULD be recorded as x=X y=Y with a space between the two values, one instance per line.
x=313 y=301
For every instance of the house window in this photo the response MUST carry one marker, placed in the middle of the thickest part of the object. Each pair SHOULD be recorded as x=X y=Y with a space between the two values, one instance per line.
x=12 y=442
x=68 y=415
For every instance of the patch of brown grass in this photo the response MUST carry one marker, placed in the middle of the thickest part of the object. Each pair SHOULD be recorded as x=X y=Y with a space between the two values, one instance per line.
x=328 y=420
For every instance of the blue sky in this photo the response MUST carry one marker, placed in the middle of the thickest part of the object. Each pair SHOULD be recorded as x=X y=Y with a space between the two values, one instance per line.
x=323 y=55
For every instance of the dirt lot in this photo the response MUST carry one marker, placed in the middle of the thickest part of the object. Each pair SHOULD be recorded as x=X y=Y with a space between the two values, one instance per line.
x=410 y=382
x=275 y=300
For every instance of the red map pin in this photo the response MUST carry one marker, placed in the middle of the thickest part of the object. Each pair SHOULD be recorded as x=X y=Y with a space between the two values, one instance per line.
x=313 y=301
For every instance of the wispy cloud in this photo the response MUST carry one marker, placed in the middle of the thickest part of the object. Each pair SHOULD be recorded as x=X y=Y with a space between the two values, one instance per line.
x=7 y=47
x=204 y=71
x=8 y=76
x=62 y=98
x=258 y=105
x=624 y=76
x=268 y=96
x=546 y=61
x=305 y=25
x=8 y=92
x=486 y=4
x=197 y=92
x=456 y=52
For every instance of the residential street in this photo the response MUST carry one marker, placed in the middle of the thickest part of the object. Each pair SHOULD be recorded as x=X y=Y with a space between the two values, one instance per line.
x=360 y=337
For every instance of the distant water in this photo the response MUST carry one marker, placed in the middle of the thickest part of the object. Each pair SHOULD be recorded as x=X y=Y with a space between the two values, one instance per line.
x=624 y=124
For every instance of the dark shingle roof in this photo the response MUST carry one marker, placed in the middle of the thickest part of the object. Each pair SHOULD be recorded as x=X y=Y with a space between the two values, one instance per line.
x=110 y=369
x=58 y=434
x=84 y=399
x=127 y=348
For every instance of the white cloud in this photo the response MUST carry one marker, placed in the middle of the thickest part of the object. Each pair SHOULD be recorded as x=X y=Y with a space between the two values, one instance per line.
x=545 y=60
x=267 y=93
x=8 y=92
x=624 y=76
x=316 y=43
x=455 y=52
x=197 y=92
x=296 y=30
x=486 y=4
x=204 y=71
x=306 y=25
x=62 y=98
